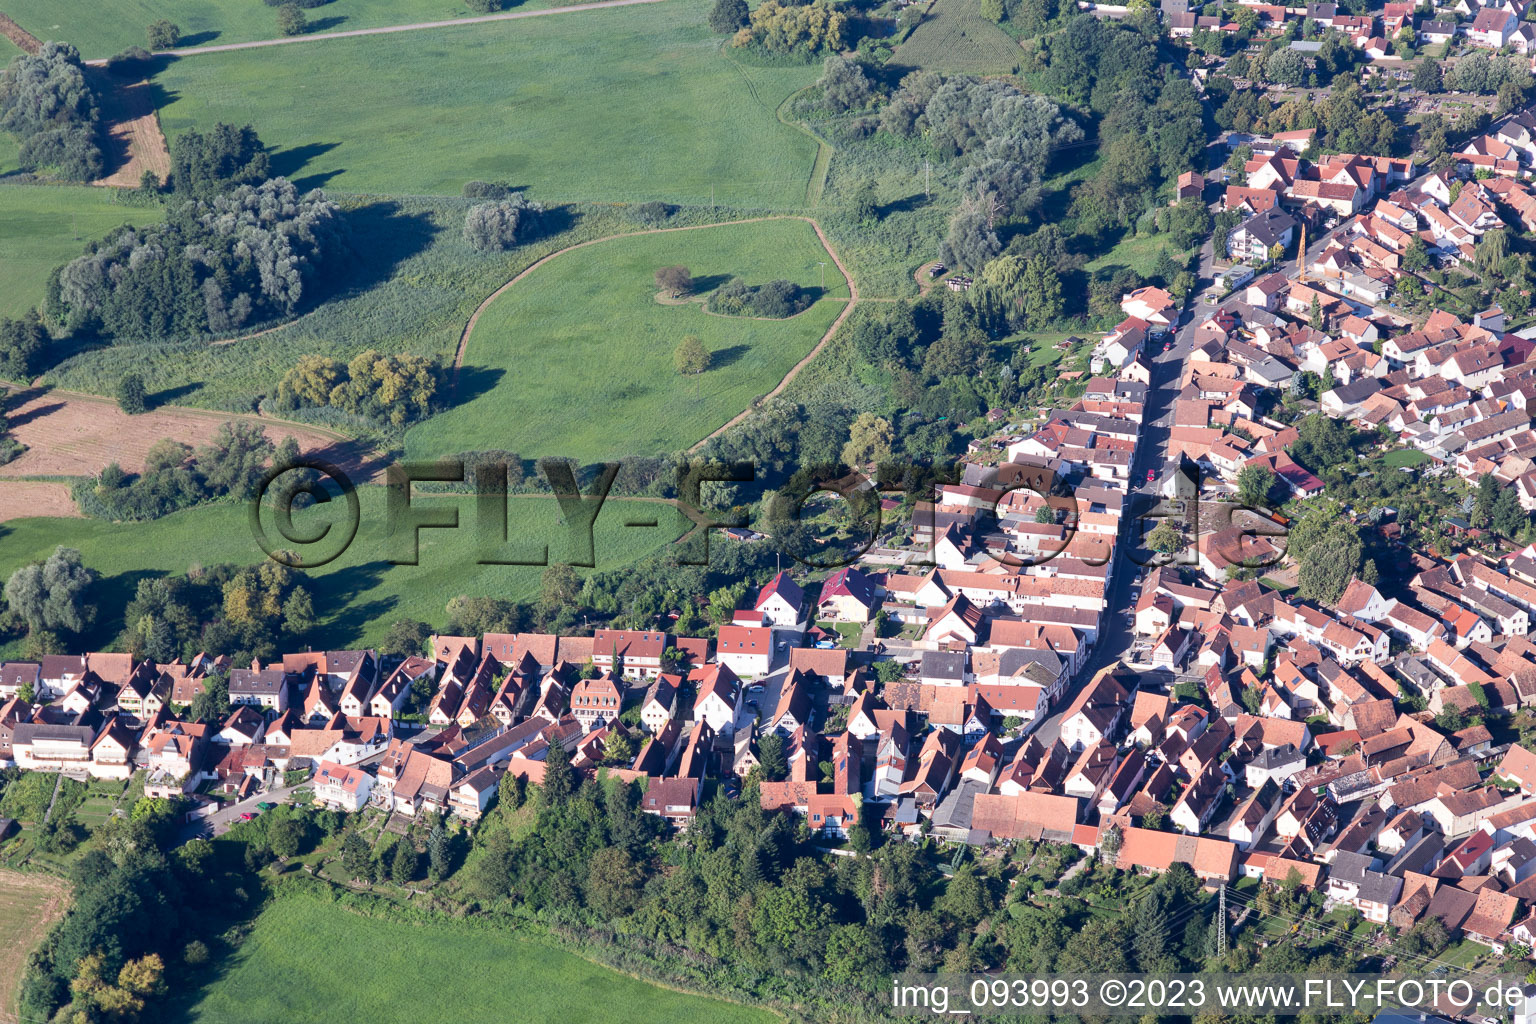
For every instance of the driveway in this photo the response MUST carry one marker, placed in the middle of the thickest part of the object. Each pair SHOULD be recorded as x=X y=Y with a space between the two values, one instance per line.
x=218 y=823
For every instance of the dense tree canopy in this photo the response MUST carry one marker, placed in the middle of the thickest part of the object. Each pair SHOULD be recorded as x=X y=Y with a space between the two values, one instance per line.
x=225 y=157
x=215 y=265
x=395 y=389
x=774 y=299
x=844 y=85
x=817 y=27
x=53 y=595
x=23 y=346
x=47 y=103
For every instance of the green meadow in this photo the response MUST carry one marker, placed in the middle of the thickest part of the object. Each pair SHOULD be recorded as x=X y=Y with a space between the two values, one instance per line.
x=298 y=944
x=101 y=29
x=955 y=38
x=576 y=359
x=659 y=113
x=359 y=594
x=42 y=226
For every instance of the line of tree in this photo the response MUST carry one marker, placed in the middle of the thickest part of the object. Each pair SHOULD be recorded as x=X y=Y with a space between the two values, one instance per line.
x=46 y=102
x=176 y=477
x=395 y=389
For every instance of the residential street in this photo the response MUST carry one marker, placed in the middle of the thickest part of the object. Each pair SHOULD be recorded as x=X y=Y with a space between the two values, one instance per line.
x=1116 y=634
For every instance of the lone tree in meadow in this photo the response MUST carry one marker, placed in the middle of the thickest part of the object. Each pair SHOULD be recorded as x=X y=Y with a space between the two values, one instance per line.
x=132 y=397
x=500 y=225
x=691 y=356
x=163 y=34
x=291 y=20
x=675 y=281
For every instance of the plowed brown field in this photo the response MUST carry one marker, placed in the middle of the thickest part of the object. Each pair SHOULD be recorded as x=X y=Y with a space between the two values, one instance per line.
x=71 y=434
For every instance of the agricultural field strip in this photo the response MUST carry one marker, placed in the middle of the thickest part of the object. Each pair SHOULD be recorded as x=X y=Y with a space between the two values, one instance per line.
x=385 y=29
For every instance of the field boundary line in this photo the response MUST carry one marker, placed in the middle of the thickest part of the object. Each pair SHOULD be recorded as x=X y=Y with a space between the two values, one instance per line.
x=388 y=29
x=794 y=371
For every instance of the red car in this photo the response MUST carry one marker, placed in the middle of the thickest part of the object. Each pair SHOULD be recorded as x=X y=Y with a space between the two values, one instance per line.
x=1151 y=475
x=1167 y=346
x=247 y=816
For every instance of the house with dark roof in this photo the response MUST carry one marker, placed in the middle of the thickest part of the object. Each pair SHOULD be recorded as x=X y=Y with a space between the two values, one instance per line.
x=1255 y=237
x=848 y=595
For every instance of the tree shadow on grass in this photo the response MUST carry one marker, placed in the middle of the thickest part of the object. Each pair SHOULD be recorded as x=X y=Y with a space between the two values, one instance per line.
x=110 y=595
x=726 y=356
x=288 y=162
x=170 y=395
x=199 y=38
x=383 y=237
x=475 y=381
x=904 y=205
x=326 y=24
x=709 y=282
x=338 y=590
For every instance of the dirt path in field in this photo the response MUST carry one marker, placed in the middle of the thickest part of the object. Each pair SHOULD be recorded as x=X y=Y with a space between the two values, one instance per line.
x=794 y=371
x=18 y=35
x=135 y=143
x=23 y=499
x=386 y=29
x=29 y=905
x=849 y=303
x=69 y=433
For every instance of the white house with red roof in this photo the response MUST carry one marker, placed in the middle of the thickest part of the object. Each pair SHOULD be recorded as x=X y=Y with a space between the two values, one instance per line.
x=782 y=603
x=343 y=787
x=746 y=650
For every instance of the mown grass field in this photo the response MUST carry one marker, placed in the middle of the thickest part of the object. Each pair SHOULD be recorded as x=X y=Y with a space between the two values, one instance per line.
x=102 y=29
x=577 y=356
x=1139 y=252
x=630 y=103
x=359 y=594
x=286 y=973
x=42 y=226
x=956 y=39
x=29 y=904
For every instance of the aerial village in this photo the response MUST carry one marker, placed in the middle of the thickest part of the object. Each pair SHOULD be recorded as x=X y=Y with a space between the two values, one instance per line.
x=1017 y=664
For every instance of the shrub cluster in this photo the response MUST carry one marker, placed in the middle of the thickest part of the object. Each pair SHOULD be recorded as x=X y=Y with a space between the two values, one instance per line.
x=501 y=224
x=775 y=299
